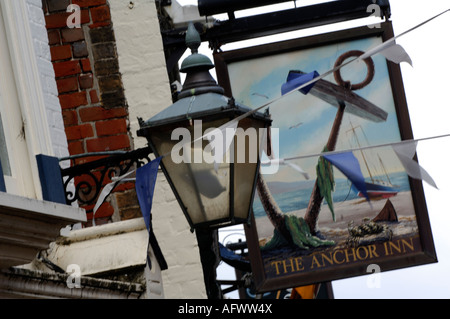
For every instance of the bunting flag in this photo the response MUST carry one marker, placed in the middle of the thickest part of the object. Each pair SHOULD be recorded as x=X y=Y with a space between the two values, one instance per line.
x=405 y=153
x=297 y=79
x=281 y=161
x=106 y=191
x=145 y=186
x=397 y=54
x=391 y=51
x=349 y=166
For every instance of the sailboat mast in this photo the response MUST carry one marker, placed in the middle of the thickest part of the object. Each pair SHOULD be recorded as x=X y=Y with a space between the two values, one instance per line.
x=384 y=169
x=353 y=129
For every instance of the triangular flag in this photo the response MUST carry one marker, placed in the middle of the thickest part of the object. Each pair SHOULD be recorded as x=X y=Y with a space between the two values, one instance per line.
x=296 y=79
x=405 y=153
x=391 y=51
x=298 y=169
x=281 y=161
x=397 y=54
x=145 y=186
x=106 y=191
x=349 y=166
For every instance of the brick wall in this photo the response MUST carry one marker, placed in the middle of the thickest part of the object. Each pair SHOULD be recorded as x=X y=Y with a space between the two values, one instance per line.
x=90 y=88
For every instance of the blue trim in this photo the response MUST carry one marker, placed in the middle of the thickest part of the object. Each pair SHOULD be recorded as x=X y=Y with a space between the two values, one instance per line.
x=2 y=180
x=51 y=179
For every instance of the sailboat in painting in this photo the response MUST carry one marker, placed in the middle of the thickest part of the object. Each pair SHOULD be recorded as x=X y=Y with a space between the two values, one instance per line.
x=377 y=188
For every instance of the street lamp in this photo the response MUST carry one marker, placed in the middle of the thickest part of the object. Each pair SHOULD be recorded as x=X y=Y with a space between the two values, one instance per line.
x=211 y=194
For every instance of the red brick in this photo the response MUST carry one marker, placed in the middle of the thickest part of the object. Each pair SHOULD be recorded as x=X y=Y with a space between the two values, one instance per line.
x=70 y=117
x=66 y=68
x=99 y=113
x=109 y=143
x=88 y=3
x=54 y=37
x=94 y=96
x=72 y=35
x=105 y=210
x=59 y=20
x=86 y=65
x=111 y=127
x=100 y=14
x=61 y=52
x=67 y=85
x=76 y=148
x=79 y=132
x=72 y=100
x=86 y=81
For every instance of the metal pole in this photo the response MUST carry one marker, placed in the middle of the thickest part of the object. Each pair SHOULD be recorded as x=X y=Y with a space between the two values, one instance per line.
x=209 y=256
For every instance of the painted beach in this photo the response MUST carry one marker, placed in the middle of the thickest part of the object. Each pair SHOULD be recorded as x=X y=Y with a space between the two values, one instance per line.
x=348 y=207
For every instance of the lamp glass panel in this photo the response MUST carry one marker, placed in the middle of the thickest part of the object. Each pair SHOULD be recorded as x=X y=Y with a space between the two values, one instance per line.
x=247 y=151
x=204 y=192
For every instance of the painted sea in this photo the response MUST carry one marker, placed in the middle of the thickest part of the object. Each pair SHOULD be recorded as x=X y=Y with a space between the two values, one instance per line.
x=295 y=196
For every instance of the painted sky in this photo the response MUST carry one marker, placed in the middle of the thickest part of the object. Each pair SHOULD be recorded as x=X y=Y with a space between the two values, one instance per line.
x=254 y=82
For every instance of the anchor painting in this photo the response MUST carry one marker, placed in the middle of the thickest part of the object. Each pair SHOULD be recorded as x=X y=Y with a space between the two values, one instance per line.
x=342 y=219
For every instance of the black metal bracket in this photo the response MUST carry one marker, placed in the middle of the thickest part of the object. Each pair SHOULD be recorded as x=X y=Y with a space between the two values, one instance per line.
x=293 y=19
x=91 y=176
x=298 y=18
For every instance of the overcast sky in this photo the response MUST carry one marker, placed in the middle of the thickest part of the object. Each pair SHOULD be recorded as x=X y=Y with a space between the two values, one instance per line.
x=426 y=86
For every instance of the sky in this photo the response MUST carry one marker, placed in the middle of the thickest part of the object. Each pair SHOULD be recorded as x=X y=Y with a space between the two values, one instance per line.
x=426 y=87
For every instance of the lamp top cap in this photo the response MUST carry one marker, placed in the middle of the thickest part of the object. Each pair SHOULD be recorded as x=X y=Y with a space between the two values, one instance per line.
x=193 y=42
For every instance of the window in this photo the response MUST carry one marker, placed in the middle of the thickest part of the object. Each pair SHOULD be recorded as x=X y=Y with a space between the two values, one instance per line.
x=14 y=153
x=24 y=111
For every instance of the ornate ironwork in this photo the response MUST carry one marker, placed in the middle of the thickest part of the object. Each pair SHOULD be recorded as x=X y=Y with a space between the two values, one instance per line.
x=89 y=178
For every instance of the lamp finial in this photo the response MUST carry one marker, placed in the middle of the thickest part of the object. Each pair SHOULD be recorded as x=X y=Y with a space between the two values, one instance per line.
x=193 y=39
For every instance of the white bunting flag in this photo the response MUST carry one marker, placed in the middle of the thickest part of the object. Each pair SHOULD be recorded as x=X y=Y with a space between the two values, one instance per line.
x=405 y=153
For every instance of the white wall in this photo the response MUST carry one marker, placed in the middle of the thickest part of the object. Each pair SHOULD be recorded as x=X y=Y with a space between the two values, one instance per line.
x=147 y=90
x=47 y=77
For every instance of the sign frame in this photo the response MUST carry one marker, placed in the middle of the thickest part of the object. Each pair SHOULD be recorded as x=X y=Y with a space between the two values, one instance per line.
x=302 y=273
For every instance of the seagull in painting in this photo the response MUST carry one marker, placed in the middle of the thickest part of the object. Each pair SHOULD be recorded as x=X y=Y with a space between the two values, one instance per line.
x=262 y=95
x=296 y=125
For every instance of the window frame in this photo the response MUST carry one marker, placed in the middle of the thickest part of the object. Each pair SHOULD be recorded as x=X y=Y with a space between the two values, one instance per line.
x=29 y=98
